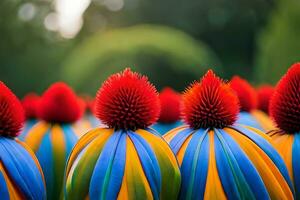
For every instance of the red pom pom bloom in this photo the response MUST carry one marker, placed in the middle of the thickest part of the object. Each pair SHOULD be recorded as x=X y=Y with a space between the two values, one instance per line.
x=264 y=94
x=245 y=92
x=285 y=103
x=210 y=103
x=127 y=101
x=59 y=104
x=30 y=104
x=11 y=113
x=170 y=101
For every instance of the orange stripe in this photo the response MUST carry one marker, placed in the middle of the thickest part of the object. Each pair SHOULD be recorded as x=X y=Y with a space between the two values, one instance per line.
x=83 y=141
x=35 y=135
x=134 y=176
x=213 y=188
x=14 y=193
x=284 y=143
x=182 y=150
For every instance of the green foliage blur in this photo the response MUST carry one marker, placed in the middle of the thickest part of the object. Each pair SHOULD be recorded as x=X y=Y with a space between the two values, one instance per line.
x=279 y=43
x=219 y=33
x=166 y=55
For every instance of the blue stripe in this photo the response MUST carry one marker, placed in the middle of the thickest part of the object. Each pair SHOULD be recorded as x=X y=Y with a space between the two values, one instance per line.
x=118 y=168
x=249 y=171
x=4 y=194
x=103 y=168
x=226 y=168
x=22 y=169
x=179 y=139
x=247 y=119
x=269 y=150
x=191 y=162
x=27 y=127
x=45 y=157
x=70 y=138
x=201 y=170
x=296 y=163
x=149 y=163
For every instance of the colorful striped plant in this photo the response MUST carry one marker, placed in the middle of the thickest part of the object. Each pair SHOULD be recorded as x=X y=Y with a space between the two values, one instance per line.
x=30 y=105
x=20 y=174
x=249 y=115
x=126 y=160
x=285 y=110
x=53 y=138
x=220 y=160
x=169 y=117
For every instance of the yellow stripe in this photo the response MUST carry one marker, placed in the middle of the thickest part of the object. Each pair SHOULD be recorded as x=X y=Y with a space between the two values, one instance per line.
x=33 y=157
x=93 y=150
x=35 y=135
x=272 y=178
x=59 y=154
x=167 y=160
x=264 y=120
x=158 y=145
x=134 y=179
x=83 y=141
x=14 y=193
x=284 y=143
x=213 y=188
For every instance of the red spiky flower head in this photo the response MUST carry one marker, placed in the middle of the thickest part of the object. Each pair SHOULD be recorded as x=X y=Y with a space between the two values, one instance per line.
x=170 y=101
x=11 y=113
x=210 y=103
x=59 y=104
x=264 y=94
x=245 y=92
x=285 y=102
x=30 y=104
x=127 y=101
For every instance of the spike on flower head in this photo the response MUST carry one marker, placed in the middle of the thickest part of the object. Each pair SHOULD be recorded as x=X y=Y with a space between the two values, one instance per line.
x=264 y=94
x=170 y=102
x=246 y=93
x=210 y=103
x=11 y=113
x=127 y=100
x=285 y=102
x=30 y=104
x=59 y=104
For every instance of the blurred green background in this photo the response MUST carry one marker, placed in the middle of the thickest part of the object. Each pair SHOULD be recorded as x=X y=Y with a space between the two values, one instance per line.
x=172 y=41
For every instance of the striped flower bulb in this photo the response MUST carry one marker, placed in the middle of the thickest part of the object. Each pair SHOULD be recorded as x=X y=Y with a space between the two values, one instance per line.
x=285 y=110
x=30 y=104
x=248 y=101
x=88 y=121
x=220 y=160
x=20 y=174
x=126 y=160
x=261 y=114
x=169 y=118
x=53 y=138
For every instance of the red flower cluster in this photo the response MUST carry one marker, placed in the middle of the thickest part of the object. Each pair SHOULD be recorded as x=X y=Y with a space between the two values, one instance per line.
x=210 y=103
x=127 y=101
